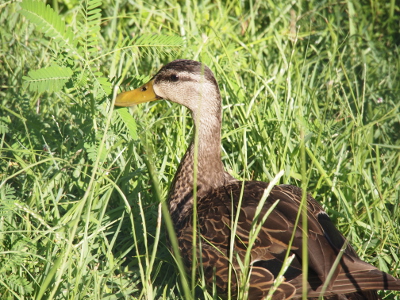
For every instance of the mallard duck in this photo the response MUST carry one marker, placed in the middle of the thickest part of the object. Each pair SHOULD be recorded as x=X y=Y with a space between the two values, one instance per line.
x=221 y=199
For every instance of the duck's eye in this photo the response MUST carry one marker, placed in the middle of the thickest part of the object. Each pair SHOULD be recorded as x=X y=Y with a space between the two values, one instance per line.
x=174 y=78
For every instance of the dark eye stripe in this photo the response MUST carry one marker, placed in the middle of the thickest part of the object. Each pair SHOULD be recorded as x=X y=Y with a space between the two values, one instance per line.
x=174 y=77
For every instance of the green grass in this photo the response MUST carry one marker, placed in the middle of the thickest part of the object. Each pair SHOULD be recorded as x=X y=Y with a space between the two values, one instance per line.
x=81 y=183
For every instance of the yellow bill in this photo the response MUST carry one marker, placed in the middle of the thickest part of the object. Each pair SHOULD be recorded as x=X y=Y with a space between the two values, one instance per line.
x=140 y=95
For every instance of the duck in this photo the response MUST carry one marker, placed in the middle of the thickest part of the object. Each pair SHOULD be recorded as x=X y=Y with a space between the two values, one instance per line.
x=250 y=239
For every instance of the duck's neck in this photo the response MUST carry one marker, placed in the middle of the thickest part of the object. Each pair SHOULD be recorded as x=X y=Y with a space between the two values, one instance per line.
x=206 y=175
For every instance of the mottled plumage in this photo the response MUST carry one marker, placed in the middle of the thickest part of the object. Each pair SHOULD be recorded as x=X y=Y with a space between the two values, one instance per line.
x=221 y=198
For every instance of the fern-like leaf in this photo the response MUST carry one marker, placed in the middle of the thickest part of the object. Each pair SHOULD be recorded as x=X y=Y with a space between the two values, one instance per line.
x=50 y=23
x=158 y=40
x=153 y=42
x=91 y=12
x=4 y=126
x=93 y=151
x=103 y=84
x=50 y=79
x=7 y=196
x=19 y=284
x=129 y=122
x=92 y=17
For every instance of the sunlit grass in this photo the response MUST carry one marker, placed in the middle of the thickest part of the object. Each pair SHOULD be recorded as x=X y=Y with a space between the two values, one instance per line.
x=81 y=184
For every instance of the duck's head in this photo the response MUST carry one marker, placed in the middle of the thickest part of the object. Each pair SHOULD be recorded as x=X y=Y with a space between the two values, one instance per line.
x=187 y=82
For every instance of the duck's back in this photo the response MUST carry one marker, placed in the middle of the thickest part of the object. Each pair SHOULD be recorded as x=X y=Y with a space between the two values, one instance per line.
x=275 y=226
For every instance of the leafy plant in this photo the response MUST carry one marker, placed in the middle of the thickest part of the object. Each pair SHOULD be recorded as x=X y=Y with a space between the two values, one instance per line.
x=81 y=183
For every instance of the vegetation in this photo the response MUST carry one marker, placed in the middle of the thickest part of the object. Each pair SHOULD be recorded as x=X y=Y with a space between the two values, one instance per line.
x=81 y=183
